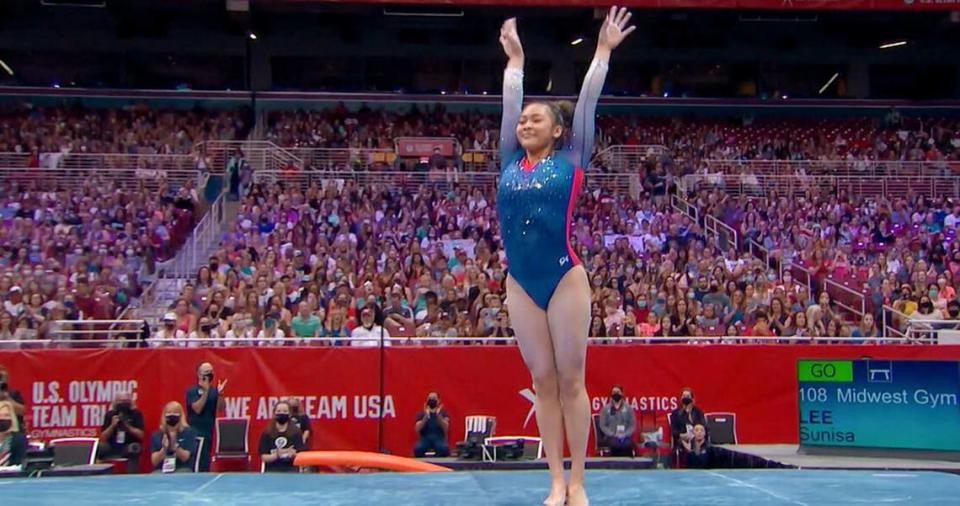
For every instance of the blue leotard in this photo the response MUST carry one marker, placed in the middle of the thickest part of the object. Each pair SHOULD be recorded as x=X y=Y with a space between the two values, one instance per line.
x=535 y=203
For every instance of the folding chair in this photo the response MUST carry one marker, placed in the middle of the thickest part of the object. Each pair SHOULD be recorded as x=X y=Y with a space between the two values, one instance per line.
x=232 y=441
x=74 y=451
x=722 y=428
x=196 y=454
x=598 y=446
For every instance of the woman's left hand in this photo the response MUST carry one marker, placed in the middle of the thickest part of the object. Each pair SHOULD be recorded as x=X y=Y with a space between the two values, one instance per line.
x=614 y=28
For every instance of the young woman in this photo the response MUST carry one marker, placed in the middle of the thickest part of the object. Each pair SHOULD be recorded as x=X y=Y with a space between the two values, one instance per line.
x=548 y=292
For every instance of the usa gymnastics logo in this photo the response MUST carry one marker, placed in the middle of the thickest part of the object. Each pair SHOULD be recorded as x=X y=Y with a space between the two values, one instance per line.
x=564 y=260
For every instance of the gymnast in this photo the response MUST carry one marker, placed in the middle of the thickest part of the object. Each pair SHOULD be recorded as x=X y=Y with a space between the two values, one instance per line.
x=548 y=294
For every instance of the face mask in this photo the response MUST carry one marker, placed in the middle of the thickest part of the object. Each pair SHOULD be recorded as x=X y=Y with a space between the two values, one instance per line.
x=5 y=425
x=294 y=410
x=173 y=420
x=282 y=418
x=616 y=397
x=432 y=403
x=687 y=401
x=641 y=303
x=934 y=293
x=214 y=267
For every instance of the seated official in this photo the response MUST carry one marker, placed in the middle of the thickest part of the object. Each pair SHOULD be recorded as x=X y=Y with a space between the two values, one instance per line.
x=280 y=441
x=174 y=444
x=432 y=425
x=697 y=449
x=684 y=418
x=121 y=435
x=13 y=443
x=618 y=422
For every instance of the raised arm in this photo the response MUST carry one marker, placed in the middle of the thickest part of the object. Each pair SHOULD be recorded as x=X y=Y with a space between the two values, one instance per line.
x=612 y=33
x=512 y=88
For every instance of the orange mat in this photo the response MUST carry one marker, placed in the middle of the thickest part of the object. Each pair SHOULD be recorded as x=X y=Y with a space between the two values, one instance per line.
x=366 y=460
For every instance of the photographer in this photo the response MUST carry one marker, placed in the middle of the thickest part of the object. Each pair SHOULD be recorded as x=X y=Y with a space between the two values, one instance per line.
x=121 y=435
x=11 y=395
x=618 y=423
x=203 y=401
x=432 y=425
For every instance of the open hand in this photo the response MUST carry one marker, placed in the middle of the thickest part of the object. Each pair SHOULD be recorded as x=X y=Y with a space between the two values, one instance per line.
x=614 y=28
x=510 y=39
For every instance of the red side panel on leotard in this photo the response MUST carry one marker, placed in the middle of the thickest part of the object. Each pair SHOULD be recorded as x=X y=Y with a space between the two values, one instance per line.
x=574 y=192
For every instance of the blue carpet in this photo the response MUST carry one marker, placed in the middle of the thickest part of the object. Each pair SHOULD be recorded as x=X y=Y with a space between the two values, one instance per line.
x=526 y=488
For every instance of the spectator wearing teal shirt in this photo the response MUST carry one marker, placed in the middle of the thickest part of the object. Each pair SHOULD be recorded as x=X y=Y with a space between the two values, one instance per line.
x=306 y=324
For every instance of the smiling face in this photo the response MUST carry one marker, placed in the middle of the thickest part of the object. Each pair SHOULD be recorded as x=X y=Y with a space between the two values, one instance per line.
x=538 y=128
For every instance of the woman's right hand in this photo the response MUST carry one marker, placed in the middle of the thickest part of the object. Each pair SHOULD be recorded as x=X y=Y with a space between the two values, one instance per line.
x=510 y=40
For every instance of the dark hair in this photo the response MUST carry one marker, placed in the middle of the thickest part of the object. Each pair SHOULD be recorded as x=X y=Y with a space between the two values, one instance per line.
x=617 y=386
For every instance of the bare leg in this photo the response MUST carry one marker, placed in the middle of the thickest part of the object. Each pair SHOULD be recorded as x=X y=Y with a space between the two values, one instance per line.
x=569 y=320
x=533 y=335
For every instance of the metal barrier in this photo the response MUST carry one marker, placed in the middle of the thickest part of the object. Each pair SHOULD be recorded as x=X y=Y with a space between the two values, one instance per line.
x=428 y=341
x=615 y=183
x=757 y=185
x=206 y=232
x=725 y=235
x=899 y=325
x=131 y=179
x=759 y=252
x=850 y=168
x=677 y=202
x=800 y=275
x=623 y=158
x=857 y=302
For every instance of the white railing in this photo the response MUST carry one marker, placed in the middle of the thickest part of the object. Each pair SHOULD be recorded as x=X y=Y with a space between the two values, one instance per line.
x=800 y=275
x=758 y=185
x=68 y=179
x=839 y=293
x=205 y=233
x=615 y=183
x=854 y=168
x=622 y=158
x=899 y=325
x=724 y=234
x=136 y=325
x=684 y=207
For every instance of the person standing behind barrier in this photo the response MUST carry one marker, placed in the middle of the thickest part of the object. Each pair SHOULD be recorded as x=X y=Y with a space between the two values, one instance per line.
x=684 y=418
x=203 y=401
x=13 y=443
x=12 y=396
x=432 y=427
x=174 y=444
x=301 y=420
x=280 y=441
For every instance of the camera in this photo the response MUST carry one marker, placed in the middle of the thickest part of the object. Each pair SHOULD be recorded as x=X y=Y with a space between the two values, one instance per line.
x=3 y=386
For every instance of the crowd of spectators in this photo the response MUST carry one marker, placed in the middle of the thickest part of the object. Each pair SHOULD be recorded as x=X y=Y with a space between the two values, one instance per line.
x=356 y=263
x=136 y=129
x=83 y=252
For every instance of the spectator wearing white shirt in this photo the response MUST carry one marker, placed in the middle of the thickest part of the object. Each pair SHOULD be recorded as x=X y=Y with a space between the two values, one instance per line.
x=168 y=334
x=271 y=334
x=368 y=333
x=240 y=332
x=14 y=303
x=206 y=333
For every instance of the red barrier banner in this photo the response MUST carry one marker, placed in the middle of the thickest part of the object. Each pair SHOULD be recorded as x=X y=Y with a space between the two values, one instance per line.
x=67 y=392
x=878 y=5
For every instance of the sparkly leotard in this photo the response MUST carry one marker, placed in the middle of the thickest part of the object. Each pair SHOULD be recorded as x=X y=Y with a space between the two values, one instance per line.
x=535 y=203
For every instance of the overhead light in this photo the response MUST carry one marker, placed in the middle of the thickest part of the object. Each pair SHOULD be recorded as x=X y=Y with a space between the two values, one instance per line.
x=832 y=79
x=442 y=92
x=253 y=36
x=576 y=41
x=6 y=67
x=893 y=44
x=784 y=97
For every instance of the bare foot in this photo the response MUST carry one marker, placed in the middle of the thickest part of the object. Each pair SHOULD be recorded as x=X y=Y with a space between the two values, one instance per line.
x=577 y=496
x=558 y=495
